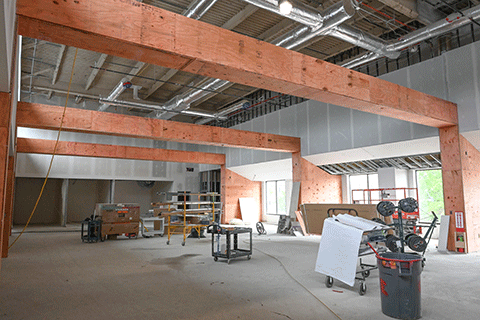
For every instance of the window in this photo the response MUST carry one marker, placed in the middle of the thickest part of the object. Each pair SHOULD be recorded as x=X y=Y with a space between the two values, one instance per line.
x=362 y=182
x=430 y=193
x=276 y=199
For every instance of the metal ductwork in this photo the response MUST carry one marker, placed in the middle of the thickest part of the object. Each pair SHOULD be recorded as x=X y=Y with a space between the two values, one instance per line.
x=184 y=100
x=364 y=40
x=450 y=23
x=243 y=104
x=332 y=17
x=364 y=58
x=158 y=108
x=116 y=92
x=300 y=12
x=198 y=8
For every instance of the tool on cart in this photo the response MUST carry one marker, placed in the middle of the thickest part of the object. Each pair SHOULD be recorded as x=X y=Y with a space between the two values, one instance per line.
x=412 y=240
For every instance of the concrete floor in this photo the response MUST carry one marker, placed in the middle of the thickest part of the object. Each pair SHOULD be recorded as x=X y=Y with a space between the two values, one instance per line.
x=53 y=275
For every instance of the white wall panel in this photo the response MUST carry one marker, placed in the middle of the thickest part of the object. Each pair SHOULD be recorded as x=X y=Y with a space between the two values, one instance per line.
x=365 y=129
x=340 y=128
x=461 y=86
x=301 y=111
x=318 y=133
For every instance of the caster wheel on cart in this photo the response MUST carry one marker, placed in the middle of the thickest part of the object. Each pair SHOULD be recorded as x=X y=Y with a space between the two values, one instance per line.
x=328 y=282
x=228 y=261
x=103 y=238
x=215 y=259
x=183 y=243
x=363 y=288
x=366 y=273
x=168 y=242
x=161 y=235
x=248 y=257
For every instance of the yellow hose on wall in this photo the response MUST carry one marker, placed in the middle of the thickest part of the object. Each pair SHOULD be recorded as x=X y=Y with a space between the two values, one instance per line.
x=53 y=154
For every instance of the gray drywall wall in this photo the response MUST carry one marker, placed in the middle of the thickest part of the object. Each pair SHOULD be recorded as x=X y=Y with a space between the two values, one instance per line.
x=82 y=197
x=49 y=206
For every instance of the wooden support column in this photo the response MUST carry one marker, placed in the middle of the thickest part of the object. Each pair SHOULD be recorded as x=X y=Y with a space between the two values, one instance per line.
x=452 y=176
x=10 y=189
x=471 y=191
x=5 y=112
x=223 y=190
x=297 y=172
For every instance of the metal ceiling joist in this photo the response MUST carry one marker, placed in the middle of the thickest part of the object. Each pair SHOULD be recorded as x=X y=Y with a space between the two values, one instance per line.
x=370 y=166
x=98 y=64
x=61 y=53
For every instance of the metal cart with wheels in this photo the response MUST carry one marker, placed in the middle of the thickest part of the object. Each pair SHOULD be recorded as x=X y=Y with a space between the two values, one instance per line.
x=226 y=251
x=92 y=231
x=361 y=274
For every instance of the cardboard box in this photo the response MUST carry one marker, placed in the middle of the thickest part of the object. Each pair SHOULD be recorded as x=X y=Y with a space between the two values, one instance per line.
x=314 y=214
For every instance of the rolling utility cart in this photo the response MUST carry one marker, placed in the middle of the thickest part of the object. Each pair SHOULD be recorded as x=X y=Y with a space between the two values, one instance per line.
x=223 y=249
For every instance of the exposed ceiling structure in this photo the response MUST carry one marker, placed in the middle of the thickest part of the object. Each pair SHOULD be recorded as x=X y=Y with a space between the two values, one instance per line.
x=345 y=32
x=417 y=162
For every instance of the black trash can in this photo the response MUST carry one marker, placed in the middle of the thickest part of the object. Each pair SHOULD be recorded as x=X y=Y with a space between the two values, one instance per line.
x=400 y=289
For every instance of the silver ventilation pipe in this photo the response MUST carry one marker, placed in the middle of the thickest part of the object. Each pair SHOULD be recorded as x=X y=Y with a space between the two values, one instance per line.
x=364 y=58
x=450 y=23
x=300 y=12
x=198 y=8
x=116 y=92
x=223 y=113
x=159 y=108
x=364 y=40
x=332 y=17
x=184 y=100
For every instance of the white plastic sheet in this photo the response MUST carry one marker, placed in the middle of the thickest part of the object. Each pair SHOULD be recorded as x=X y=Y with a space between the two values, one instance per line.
x=338 y=251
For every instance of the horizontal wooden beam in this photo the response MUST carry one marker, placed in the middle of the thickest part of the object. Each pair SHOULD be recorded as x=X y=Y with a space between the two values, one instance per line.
x=145 y=33
x=81 y=149
x=78 y=120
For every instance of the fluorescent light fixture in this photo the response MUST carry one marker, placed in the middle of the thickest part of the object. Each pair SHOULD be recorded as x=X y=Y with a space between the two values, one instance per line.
x=285 y=6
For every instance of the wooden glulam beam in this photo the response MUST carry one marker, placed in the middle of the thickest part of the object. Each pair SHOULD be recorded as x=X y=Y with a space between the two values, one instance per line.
x=81 y=149
x=145 y=33
x=78 y=120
